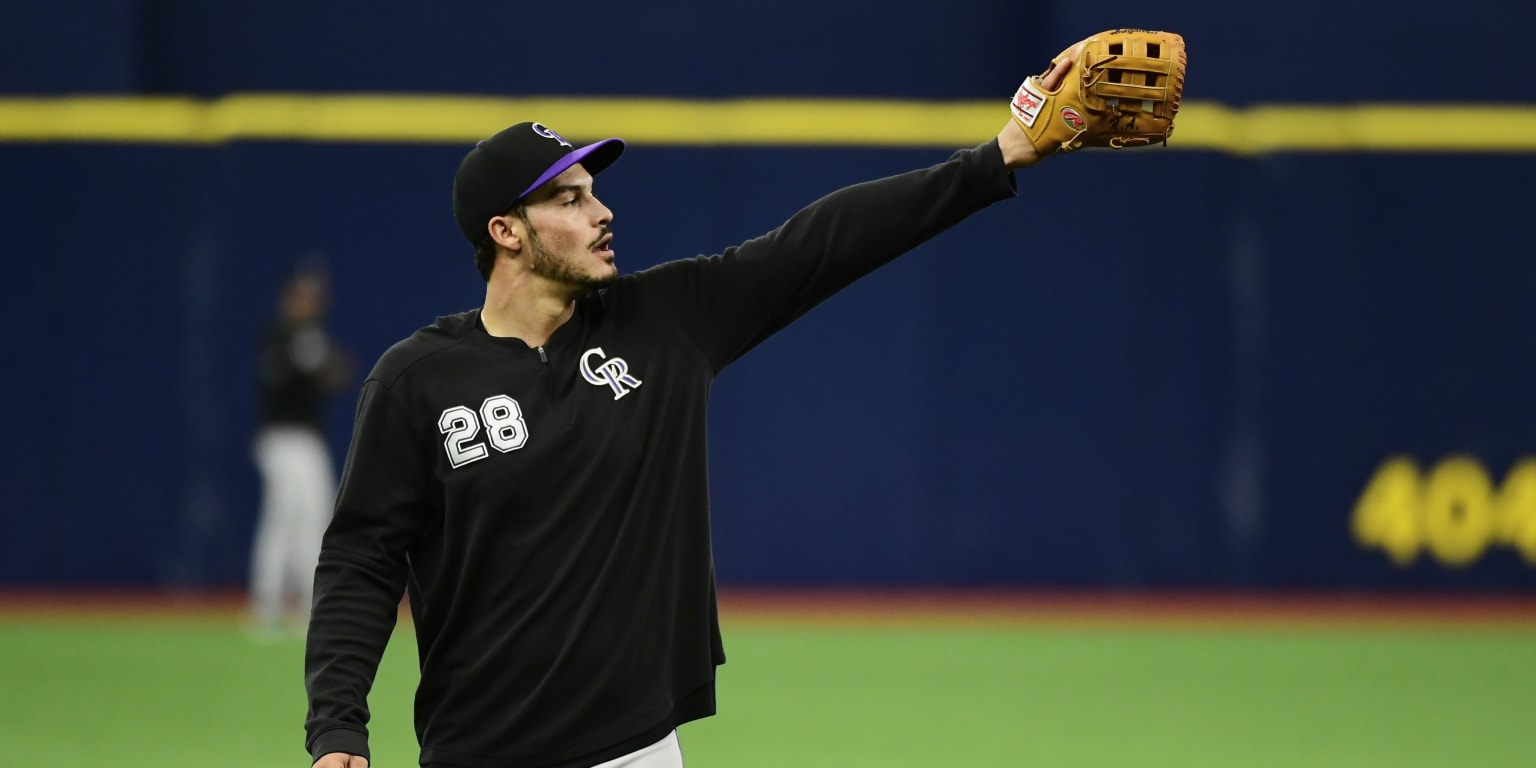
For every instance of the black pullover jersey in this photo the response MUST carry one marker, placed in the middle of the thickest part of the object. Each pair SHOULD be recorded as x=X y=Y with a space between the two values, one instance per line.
x=547 y=509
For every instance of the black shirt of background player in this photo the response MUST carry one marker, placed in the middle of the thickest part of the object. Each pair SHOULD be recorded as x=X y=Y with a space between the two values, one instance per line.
x=295 y=378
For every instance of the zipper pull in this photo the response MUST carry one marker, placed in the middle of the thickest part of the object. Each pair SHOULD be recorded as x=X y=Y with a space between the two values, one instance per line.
x=542 y=358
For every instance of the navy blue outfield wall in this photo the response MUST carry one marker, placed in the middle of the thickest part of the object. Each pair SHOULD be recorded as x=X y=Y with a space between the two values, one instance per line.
x=1243 y=53
x=1194 y=390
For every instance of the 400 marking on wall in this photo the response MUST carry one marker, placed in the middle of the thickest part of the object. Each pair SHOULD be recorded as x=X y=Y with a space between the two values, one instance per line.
x=1453 y=511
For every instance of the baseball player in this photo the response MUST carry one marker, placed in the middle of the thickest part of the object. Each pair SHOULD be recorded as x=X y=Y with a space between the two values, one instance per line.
x=532 y=473
x=300 y=367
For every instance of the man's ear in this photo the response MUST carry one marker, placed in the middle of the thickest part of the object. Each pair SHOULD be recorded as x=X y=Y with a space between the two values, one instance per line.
x=507 y=231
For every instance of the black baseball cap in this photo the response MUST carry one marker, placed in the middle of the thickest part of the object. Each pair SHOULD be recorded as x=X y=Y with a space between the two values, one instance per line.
x=507 y=167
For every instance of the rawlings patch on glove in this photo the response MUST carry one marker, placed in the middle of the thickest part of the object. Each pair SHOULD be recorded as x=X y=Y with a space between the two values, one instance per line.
x=1122 y=91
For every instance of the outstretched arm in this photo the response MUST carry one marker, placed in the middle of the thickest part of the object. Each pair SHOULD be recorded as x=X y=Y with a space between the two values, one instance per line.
x=731 y=302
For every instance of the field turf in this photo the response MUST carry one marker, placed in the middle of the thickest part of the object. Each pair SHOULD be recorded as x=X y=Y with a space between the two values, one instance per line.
x=864 y=682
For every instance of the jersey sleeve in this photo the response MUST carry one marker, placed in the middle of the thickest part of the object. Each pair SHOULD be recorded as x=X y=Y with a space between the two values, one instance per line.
x=383 y=504
x=730 y=302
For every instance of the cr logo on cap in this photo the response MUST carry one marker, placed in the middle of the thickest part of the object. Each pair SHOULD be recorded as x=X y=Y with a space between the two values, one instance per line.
x=549 y=134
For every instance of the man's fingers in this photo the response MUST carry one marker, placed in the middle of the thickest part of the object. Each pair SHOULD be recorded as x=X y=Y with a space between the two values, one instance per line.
x=1058 y=73
x=341 y=760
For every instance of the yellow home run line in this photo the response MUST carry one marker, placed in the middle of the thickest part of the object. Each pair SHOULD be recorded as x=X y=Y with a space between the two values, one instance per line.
x=425 y=119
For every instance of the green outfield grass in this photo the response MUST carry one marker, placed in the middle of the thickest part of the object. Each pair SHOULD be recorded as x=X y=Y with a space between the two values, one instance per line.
x=194 y=693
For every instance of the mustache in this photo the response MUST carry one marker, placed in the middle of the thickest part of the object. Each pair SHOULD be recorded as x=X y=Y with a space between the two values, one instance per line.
x=604 y=232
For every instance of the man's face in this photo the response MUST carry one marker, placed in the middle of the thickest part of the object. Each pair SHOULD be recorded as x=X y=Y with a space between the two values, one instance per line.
x=569 y=239
x=304 y=299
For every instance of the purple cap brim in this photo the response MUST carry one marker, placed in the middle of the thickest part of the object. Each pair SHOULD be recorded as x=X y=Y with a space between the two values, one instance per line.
x=607 y=151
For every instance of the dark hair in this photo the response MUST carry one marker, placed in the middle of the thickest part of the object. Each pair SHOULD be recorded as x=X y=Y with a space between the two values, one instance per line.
x=485 y=256
x=485 y=247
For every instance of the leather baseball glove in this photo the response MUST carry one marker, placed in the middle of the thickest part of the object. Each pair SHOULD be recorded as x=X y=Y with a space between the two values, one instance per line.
x=1122 y=91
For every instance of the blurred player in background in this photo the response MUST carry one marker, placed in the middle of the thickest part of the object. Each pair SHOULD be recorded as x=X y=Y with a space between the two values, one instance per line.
x=300 y=368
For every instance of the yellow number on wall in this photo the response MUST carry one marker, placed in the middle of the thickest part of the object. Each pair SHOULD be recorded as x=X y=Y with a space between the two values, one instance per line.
x=1515 y=511
x=1387 y=512
x=1457 y=511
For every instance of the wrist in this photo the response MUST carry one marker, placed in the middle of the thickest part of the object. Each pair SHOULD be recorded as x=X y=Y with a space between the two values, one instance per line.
x=1017 y=150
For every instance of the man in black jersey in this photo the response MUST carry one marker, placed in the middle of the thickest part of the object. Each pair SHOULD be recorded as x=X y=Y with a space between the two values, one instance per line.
x=532 y=473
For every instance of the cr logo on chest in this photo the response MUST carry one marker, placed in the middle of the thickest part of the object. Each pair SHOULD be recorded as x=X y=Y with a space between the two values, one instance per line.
x=612 y=371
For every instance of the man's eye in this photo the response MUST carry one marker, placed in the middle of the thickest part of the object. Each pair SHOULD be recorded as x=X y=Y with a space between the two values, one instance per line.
x=574 y=200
